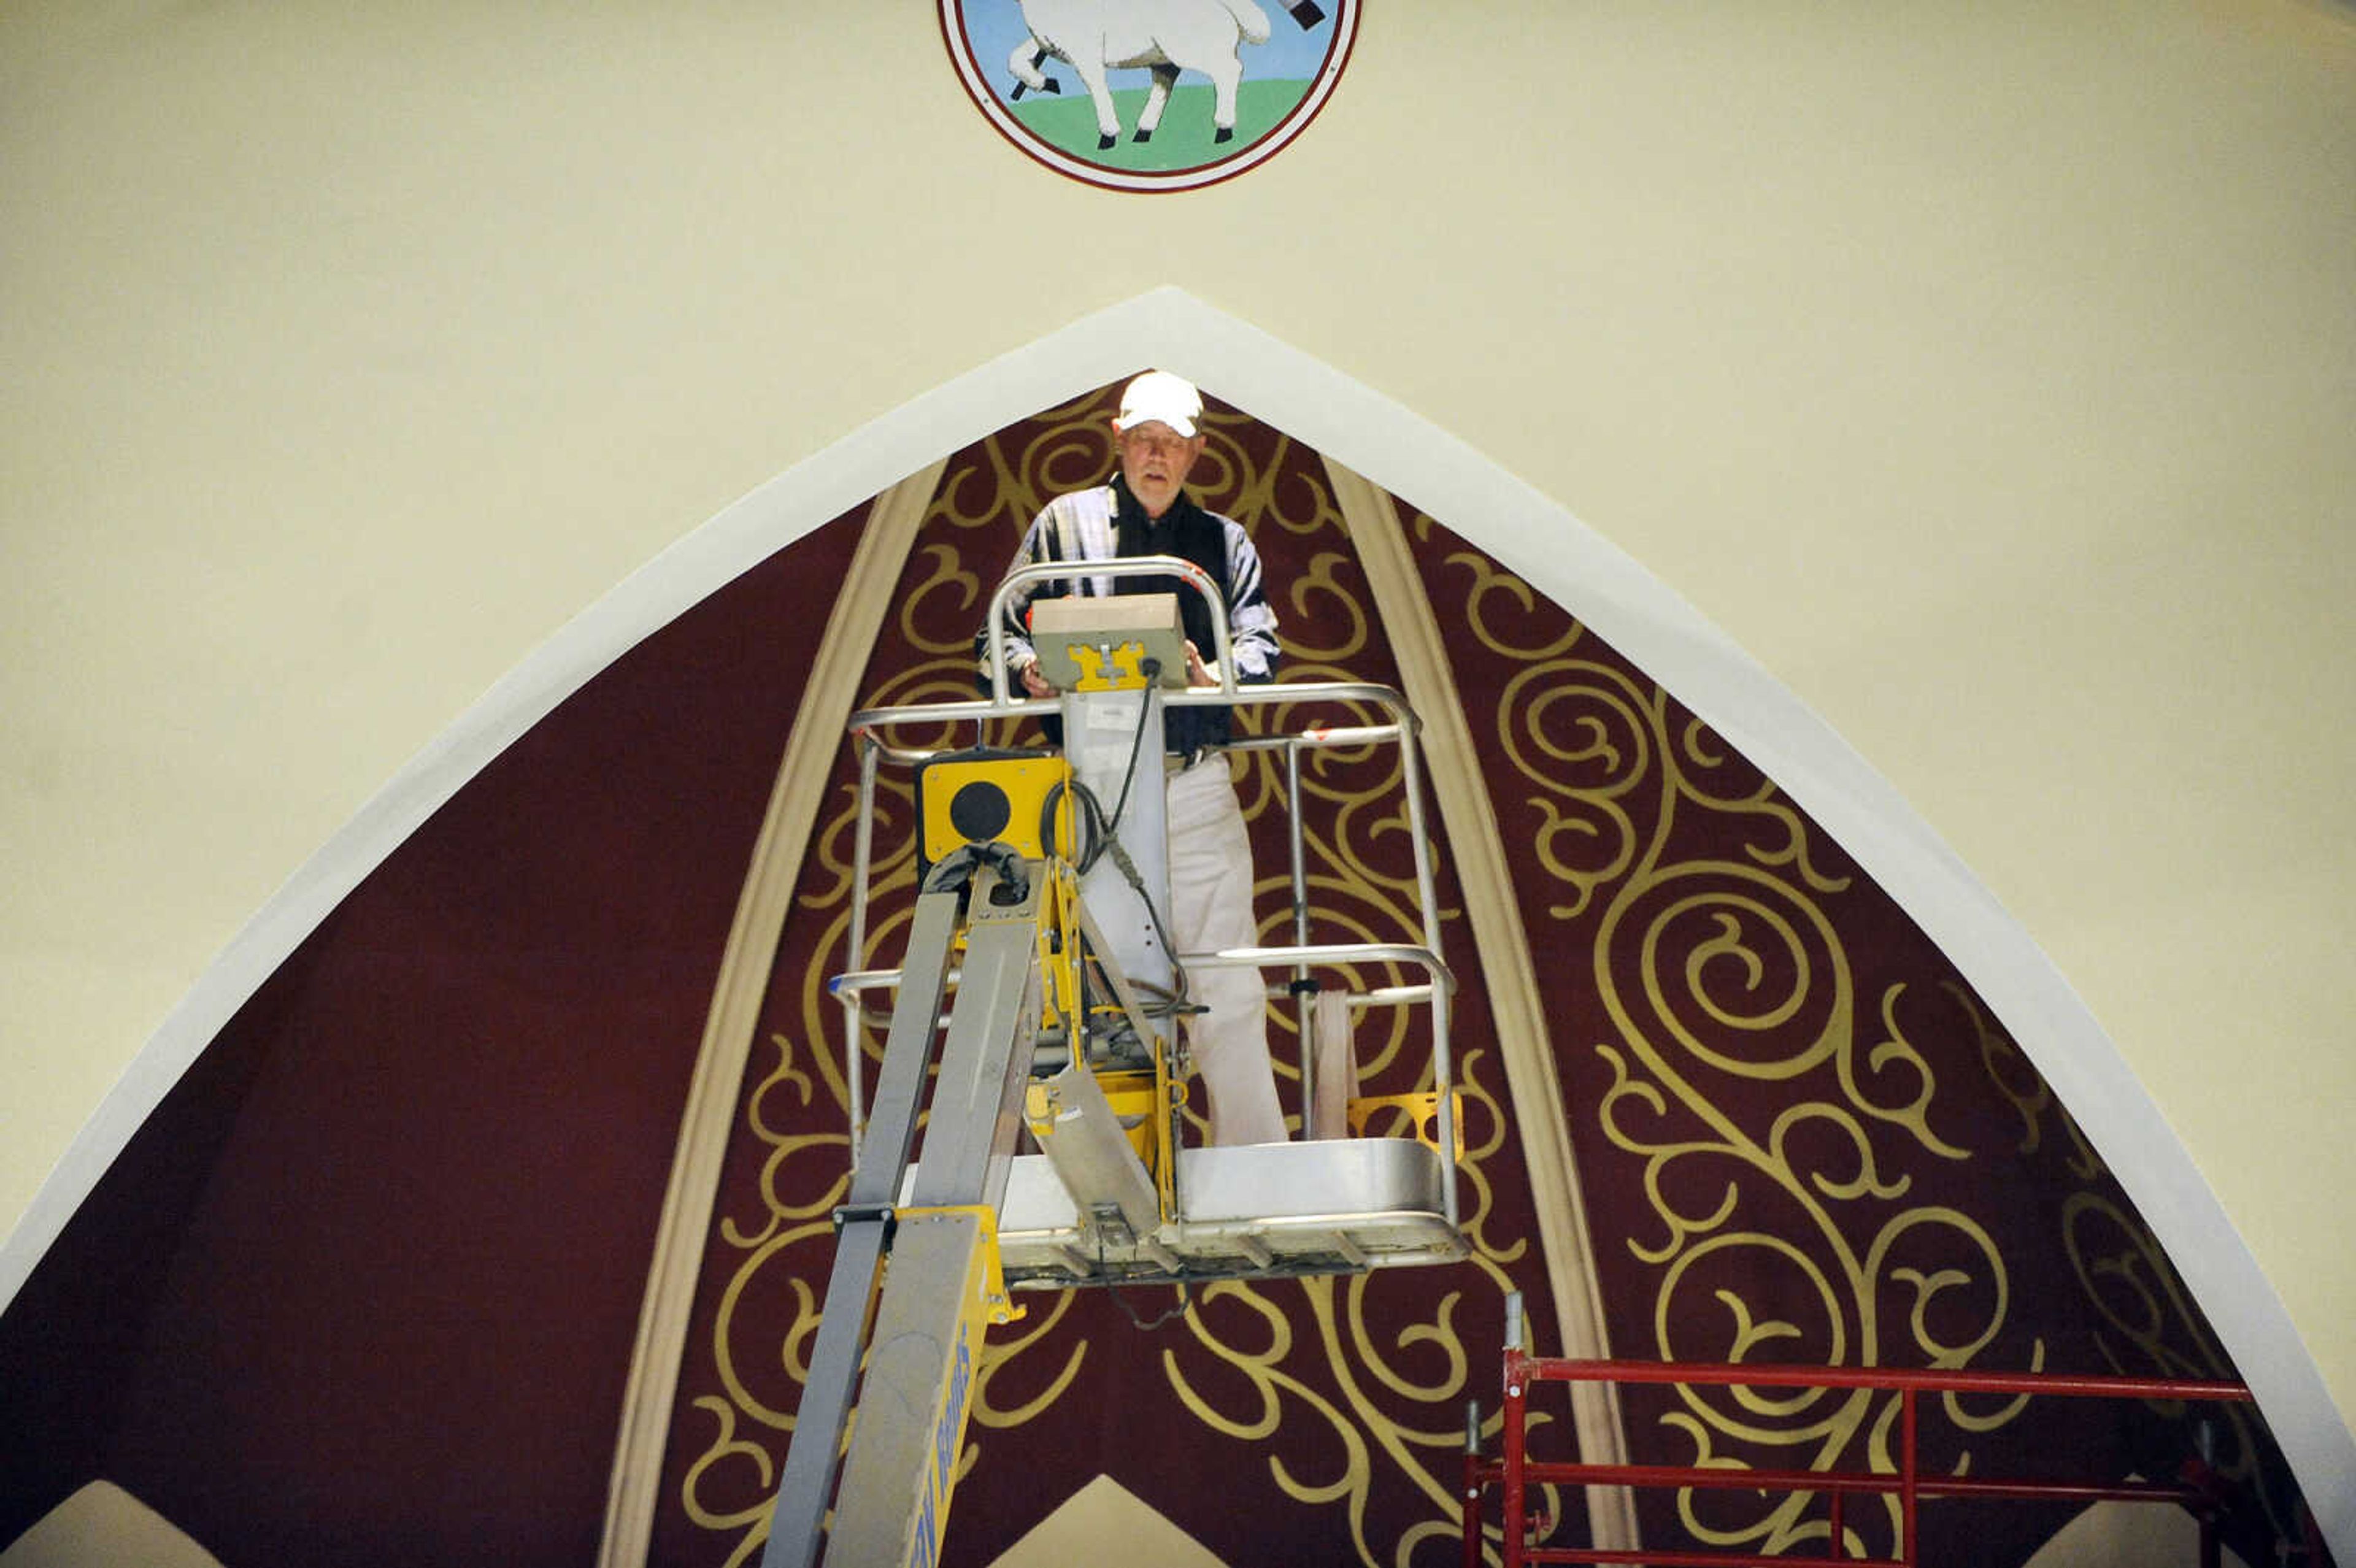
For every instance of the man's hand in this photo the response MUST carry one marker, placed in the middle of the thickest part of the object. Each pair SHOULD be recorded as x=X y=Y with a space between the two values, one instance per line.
x=1036 y=684
x=1197 y=672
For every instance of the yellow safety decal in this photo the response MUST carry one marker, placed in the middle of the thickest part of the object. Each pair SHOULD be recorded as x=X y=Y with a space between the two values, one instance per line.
x=1422 y=1111
x=1118 y=667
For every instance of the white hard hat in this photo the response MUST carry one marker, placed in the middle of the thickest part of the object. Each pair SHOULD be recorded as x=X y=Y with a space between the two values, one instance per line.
x=1160 y=396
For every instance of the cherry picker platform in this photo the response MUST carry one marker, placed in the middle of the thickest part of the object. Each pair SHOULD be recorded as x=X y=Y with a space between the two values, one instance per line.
x=1055 y=1152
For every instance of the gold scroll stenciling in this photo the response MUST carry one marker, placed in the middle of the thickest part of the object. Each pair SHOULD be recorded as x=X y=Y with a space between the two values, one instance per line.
x=746 y=1525
x=1001 y=1398
x=2007 y=1068
x=1481 y=613
x=958 y=593
x=2153 y=1330
x=1348 y=1417
x=784 y=1225
x=1750 y=796
x=1323 y=620
x=1742 y=984
x=1778 y=1118
x=1069 y=450
x=1288 y=492
x=726 y=1486
x=1579 y=731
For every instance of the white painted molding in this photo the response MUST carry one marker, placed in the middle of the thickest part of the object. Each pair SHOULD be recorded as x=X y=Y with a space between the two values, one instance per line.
x=1531 y=534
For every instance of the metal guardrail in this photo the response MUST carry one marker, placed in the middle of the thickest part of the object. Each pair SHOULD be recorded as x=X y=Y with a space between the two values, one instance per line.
x=1186 y=572
x=870 y=727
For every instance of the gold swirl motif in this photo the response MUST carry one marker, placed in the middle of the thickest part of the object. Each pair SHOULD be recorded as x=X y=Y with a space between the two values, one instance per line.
x=1357 y=1425
x=784 y=1240
x=1003 y=1355
x=1611 y=716
x=827 y=883
x=791 y=1354
x=2008 y=1069
x=1606 y=757
x=1480 y=1154
x=1696 y=758
x=1587 y=830
x=1306 y=637
x=972 y=497
x=917 y=614
x=2130 y=1281
x=1268 y=496
x=2139 y=1294
x=1359 y=1344
x=1914 y=1116
x=1220 y=470
x=1759 y=938
x=1489 y=580
x=1715 y=974
x=1821 y=1424
x=785 y=1224
x=784 y=1145
x=749 y=1524
x=1071 y=450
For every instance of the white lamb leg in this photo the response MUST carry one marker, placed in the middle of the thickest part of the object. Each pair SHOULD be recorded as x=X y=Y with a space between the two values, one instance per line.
x=1024 y=63
x=1157 y=98
x=1226 y=74
x=1090 y=63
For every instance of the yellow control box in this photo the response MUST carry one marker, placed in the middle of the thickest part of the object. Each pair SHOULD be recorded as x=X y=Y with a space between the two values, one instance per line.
x=1017 y=798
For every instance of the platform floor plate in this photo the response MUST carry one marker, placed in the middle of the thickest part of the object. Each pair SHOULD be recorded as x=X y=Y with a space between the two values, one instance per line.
x=1257 y=1212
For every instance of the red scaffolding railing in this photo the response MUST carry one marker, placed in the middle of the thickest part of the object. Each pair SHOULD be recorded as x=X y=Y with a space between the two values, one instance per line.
x=1513 y=1472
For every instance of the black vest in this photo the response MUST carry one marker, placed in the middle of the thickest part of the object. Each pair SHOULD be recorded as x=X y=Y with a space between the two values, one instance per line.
x=1184 y=530
x=1192 y=534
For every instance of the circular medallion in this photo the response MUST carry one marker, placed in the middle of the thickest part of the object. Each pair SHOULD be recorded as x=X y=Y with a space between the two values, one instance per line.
x=1150 y=94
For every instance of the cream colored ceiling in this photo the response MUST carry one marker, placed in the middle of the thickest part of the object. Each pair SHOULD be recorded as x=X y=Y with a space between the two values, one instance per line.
x=1987 y=372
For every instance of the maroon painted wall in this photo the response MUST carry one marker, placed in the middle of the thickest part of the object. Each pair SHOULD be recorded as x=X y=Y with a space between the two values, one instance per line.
x=364 y=1288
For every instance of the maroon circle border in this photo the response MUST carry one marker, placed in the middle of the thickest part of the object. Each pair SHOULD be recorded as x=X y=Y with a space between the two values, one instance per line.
x=1030 y=148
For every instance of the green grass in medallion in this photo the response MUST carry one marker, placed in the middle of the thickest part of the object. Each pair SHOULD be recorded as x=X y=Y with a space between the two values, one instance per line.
x=1182 y=142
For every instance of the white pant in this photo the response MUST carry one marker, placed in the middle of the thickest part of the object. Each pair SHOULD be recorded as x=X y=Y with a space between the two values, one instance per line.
x=1211 y=908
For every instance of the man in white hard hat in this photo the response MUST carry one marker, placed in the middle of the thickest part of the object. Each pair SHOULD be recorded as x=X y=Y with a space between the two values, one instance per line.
x=1144 y=510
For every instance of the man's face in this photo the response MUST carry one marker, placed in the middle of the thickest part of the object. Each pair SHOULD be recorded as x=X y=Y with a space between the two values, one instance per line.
x=1154 y=459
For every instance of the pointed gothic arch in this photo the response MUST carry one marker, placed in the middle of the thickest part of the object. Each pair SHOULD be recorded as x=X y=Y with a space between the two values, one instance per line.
x=1534 y=537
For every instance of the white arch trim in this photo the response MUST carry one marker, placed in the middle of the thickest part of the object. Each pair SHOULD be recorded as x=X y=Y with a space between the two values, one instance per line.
x=1533 y=536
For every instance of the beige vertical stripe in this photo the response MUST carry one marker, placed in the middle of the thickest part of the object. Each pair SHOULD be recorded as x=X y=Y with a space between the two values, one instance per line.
x=828 y=690
x=1507 y=972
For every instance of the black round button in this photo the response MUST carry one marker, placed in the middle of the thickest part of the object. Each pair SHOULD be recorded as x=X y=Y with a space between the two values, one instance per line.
x=980 y=811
